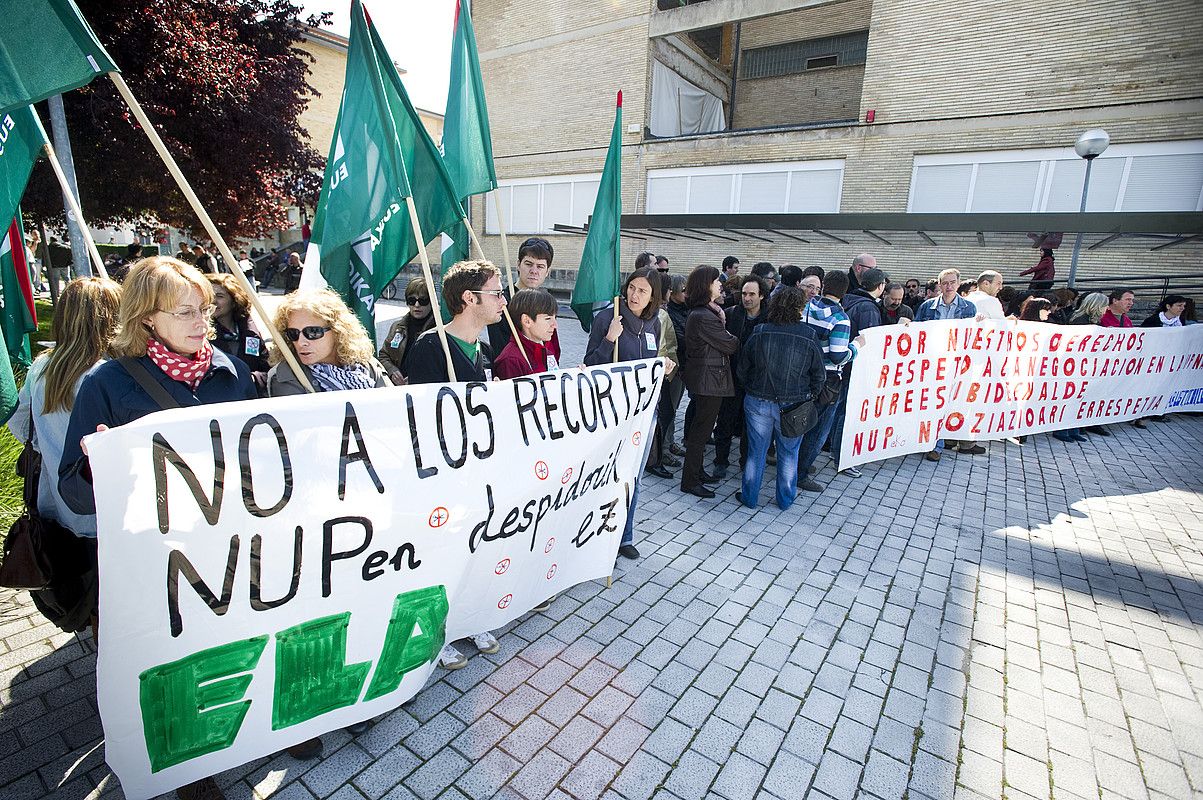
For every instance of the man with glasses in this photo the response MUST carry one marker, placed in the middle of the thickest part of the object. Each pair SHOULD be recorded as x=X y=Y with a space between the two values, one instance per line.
x=534 y=265
x=472 y=292
x=661 y=263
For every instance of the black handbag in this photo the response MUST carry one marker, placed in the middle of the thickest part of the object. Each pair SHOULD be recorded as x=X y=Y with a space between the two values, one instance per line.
x=33 y=541
x=798 y=418
x=830 y=392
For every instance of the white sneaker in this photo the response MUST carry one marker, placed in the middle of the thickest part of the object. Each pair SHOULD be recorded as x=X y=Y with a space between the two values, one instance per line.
x=853 y=472
x=486 y=643
x=450 y=658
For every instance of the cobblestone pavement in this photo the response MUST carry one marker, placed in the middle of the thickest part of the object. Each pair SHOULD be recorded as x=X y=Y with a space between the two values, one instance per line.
x=1024 y=623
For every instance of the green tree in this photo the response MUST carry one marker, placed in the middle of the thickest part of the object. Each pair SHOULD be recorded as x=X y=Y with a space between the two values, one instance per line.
x=224 y=84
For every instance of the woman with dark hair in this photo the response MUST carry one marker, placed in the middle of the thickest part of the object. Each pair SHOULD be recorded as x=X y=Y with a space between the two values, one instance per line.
x=1168 y=314
x=708 y=349
x=236 y=333
x=406 y=330
x=1035 y=309
x=635 y=327
x=1042 y=274
x=1017 y=302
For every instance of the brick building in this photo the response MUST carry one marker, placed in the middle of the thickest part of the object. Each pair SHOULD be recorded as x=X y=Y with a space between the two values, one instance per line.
x=738 y=106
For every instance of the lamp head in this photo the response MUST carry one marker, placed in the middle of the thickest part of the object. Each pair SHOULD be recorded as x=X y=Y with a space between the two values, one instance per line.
x=1092 y=143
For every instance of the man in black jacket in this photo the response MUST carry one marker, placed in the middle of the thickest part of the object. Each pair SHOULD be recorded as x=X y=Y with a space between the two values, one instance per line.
x=742 y=319
x=860 y=305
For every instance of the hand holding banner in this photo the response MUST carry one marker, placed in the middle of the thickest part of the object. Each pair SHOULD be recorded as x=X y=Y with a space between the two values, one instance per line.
x=277 y=569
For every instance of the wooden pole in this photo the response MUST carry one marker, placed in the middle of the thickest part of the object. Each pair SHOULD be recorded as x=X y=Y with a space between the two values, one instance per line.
x=505 y=245
x=69 y=196
x=505 y=312
x=210 y=228
x=438 y=318
x=617 y=316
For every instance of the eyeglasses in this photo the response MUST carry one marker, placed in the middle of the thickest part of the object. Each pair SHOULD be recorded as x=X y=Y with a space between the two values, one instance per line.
x=310 y=332
x=193 y=314
x=417 y=301
x=498 y=293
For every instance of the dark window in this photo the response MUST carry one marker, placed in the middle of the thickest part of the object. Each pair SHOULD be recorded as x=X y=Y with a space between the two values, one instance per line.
x=794 y=57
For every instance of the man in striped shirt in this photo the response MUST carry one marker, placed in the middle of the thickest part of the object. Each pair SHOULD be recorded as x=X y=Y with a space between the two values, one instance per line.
x=826 y=316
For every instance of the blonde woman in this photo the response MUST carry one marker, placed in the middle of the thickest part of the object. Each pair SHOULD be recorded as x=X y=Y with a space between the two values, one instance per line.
x=162 y=342
x=328 y=340
x=1091 y=310
x=85 y=321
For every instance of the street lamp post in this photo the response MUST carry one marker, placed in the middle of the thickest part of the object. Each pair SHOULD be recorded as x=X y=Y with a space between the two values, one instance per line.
x=1090 y=145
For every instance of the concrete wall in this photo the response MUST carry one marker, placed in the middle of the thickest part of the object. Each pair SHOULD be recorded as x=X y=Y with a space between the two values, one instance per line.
x=551 y=105
x=939 y=60
x=817 y=95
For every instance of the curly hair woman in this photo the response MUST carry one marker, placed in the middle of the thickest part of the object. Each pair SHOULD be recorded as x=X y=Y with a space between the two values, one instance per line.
x=329 y=341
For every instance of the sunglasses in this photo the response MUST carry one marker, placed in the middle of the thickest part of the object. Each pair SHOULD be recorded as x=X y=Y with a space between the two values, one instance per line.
x=417 y=301
x=310 y=332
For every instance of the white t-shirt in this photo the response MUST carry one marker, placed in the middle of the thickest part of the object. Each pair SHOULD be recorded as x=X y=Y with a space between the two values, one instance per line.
x=987 y=305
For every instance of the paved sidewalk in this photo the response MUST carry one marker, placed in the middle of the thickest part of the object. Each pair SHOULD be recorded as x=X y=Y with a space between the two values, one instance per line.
x=1022 y=624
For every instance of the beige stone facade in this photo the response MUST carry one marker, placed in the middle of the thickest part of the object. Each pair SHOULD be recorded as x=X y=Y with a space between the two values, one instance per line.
x=940 y=78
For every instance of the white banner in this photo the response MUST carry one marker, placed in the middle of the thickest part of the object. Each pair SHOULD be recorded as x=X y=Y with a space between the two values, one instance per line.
x=276 y=569
x=968 y=380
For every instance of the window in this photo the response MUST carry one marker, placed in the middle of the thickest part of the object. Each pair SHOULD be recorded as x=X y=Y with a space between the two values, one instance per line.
x=1157 y=176
x=794 y=187
x=794 y=57
x=536 y=205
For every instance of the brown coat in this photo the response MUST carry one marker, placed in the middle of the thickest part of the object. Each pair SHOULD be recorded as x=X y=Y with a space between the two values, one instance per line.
x=708 y=350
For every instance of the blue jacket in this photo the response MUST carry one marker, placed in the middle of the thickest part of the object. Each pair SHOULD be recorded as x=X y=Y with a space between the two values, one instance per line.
x=782 y=363
x=110 y=396
x=964 y=309
x=862 y=310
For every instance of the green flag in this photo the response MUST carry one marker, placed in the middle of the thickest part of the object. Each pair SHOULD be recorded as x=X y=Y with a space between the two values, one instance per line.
x=8 y=385
x=46 y=48
x=21 y=141
x=597 y=278
x=362 y=235
x=18 y=319
x=467 y=143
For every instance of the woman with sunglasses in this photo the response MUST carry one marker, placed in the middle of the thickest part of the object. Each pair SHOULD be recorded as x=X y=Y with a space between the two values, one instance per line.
x=406 y=330
x=329 y=341
x=236 y=334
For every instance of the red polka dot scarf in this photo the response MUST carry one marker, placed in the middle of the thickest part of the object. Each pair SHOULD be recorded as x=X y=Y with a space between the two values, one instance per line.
x=181 y=368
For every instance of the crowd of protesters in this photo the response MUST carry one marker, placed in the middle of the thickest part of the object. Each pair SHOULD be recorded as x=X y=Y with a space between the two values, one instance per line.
x=766 y=359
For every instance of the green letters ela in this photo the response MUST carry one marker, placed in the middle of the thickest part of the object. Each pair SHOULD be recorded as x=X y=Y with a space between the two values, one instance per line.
x=183 y=719
x=404 y=649
x=312 y=677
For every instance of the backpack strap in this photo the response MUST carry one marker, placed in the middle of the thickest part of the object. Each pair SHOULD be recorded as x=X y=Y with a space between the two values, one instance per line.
x=152 y=387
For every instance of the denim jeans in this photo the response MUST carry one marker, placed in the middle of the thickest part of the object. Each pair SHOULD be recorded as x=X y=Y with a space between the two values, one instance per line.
x=837 y=428
x=812 y=442
x=762 y=424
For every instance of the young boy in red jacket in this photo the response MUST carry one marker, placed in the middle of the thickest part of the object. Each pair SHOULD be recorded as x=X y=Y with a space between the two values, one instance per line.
x=534 y=314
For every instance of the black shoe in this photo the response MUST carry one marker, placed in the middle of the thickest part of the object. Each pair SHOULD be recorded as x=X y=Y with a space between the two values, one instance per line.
x=204 y=789
x=708 y=478
x=698 y=491
x=1097 y=430
x=1139 y=423
x=972 y=450
x=826 y=448
x=359 y=727
x=668 y=461
x=657 y=470
x=628 y=551
x=739 y=496
x=719 y=471
x=306 y=751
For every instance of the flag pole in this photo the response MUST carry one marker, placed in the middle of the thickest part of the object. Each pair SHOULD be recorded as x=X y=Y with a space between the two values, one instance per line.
x=69 y=196
x=505 y=311
x=416 y=225
x=505 y=244
x=210 y=228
